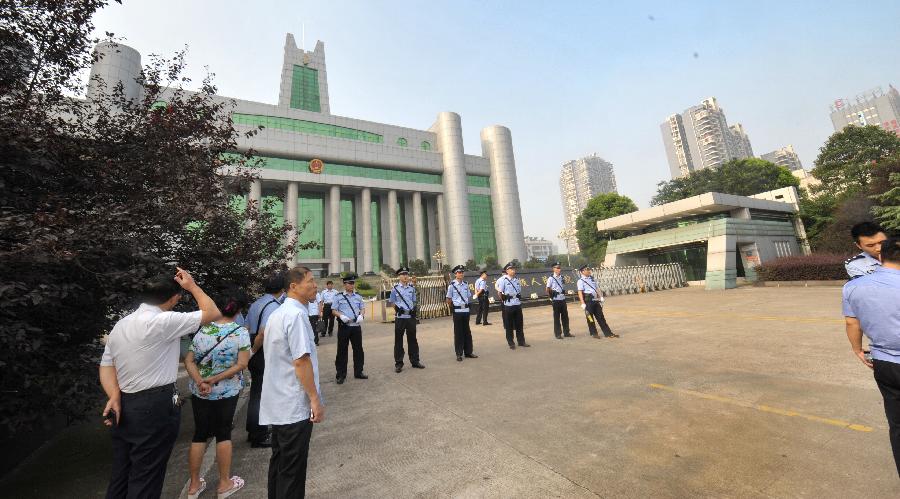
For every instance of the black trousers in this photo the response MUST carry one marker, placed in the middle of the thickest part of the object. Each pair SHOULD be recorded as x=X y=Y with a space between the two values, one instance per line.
x=887 y=375
x=594 y=314
x=326 y=314
x=462 y=334
x=352 y=335
x=503 y=314
x=512 y=321
x=287 y=466
x=560 y=317
x=483 y=306
x=314 y=321
x=257 y=366
x=142 y=444
x=407 y=326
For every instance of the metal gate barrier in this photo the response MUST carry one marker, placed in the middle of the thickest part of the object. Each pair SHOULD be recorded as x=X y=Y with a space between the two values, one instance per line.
x=639 y=279
x=431 y=294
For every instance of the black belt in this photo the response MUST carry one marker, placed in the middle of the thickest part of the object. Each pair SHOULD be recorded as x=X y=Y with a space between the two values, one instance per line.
x=156 y=389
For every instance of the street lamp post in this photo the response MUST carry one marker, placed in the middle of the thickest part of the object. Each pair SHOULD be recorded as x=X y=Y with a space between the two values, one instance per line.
x=567 y=234
x=439 y=256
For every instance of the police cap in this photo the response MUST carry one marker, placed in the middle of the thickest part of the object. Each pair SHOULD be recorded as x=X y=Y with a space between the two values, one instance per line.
x=350 y=278
x=402 y=270
x=459 y=268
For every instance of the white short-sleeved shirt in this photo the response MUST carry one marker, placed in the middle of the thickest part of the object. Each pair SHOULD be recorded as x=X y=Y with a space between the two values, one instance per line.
x=289 y=336
x=144 y=346
x=314 y=305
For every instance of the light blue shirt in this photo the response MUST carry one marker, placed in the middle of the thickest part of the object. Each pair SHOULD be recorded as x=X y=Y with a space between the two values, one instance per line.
x=328 y=295
x=403 y=297
x=259 y=312
x=480 y=284
x=861 y=264
x=511 y=287
x=555 y=282
x=588 y=286
x=289 y=336
x=352 y=309
x=460 y=294
x=874 y=299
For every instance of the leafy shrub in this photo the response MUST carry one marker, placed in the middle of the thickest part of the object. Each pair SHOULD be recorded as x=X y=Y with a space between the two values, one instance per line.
x=360 y=284
x=816 y=267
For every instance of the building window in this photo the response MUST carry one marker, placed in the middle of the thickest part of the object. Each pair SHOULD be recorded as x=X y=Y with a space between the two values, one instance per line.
x=426 y=146
x=782 y=248
x=305 y=89
x=401 y=142
x=305 y=126
x=482 y=219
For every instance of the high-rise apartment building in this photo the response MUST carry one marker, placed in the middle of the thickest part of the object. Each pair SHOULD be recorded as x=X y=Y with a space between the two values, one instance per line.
x=580 y=180
x=785 y=157
x=875 y=107
x=701 y=138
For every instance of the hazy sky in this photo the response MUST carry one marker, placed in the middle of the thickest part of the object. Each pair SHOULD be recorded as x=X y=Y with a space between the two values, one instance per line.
x=567 y=78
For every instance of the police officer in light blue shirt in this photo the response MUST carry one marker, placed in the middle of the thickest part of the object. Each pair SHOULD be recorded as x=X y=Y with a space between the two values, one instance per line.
x=349 y=309
x=403 y=298
x=871 y=307
x=591 y=297
x=459 y=297
x=482 y=295
x=868 y=237
x=557 y=294
x=511 y=293
x=328 y=295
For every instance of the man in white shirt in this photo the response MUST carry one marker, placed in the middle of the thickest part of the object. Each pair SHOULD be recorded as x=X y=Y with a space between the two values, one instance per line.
x=138 y=371
x=314 y=306
x=291 y=400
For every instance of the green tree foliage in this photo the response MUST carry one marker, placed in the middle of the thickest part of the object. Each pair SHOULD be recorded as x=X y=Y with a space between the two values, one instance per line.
x=471 y=264
x=534 y=263
x=885 y=188
x=600 y=207
x=418 y=267
x=847 y=160
x=95 y=203
x=743 y=177
x=491 y=263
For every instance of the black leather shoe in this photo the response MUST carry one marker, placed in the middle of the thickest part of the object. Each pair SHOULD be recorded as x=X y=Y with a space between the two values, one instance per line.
x=512 y=347
x=459 y=358
x=487 y=324
x=613 y=335
x=471 y=356
x=559 y=337
x=596 y=336
x=525 y=345
x=262 y=444
x=398 y=369
x=419 y=365
x=340 y=380
x=361 y=376
x=568 y=335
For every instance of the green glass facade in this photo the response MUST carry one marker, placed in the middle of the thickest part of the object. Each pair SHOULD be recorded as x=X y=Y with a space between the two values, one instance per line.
x=426 y=146
x=478 y=181
x=348 y=229
x=311 y=209
x=274 y=203
x=375 y=216
x=296 y=165
x=305 y=89
x=402 y=142
x=305 y=126
x=691 y=257
x=482 y=217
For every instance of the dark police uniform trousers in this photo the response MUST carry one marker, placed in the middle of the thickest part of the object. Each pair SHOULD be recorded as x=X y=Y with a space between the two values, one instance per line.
x=594 y=314
x=560 y=317
x=887 y=376
x=257 y=367
x=353 y=336
x=287 y=466
x=327 y=315
x=483 y=306
x=462 y=333
x=409 y=327
x=512 y=320
x=143 y=442
x=314 y=322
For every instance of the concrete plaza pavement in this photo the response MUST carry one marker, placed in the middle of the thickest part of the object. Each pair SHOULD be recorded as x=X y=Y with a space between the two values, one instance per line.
x=751 y=392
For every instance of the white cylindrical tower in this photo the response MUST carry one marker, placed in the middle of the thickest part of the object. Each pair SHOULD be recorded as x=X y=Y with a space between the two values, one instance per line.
x=116 y=63
x=496 y=146
x=459 y=246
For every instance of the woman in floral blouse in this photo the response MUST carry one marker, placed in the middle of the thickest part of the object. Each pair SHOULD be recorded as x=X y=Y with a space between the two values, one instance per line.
x=215 y=363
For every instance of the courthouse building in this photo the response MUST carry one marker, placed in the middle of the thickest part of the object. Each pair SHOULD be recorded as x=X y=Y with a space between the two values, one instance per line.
x=370 y=193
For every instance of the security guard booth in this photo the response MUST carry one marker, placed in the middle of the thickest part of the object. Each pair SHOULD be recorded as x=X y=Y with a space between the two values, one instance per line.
x=714 y=236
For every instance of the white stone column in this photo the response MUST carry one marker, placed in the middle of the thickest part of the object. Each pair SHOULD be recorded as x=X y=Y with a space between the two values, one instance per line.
x=393 y=236
x=721 y=267
x=448 y=130
x=255 y=192
x=290 y=215
x=496 y=146
x=334 y=202
x=366 y=216
x=443 y=243
x=418 y=232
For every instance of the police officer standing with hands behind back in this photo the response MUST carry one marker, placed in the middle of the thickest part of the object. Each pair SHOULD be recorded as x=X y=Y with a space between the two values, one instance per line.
x=403 y=298
x=511 y=295
x=458 y=297
x=348 y=308
x=592 y=303
x=557 y=295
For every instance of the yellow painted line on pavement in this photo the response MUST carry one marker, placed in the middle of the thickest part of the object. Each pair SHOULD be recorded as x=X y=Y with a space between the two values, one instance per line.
x=691 y=315
x=765 y=408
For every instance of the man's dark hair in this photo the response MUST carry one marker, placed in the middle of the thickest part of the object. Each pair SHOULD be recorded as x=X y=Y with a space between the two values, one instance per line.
x=329 y=282
x=231 y=301
x=160 y=289
x=890 y=250
x=865 y=229
x=483 y=272
x=295 y=275
x=274 y=284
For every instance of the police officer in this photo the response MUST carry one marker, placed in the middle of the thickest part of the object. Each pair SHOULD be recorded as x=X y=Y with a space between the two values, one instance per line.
x=592 y=303
x=557 y=295
x=458 y=297
x=349 y=310
x=502 y=308
x=868 y=237
x=327 y=297
x=481 y=294
x=403 y=298
x=511 y=295
x=257 y=317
